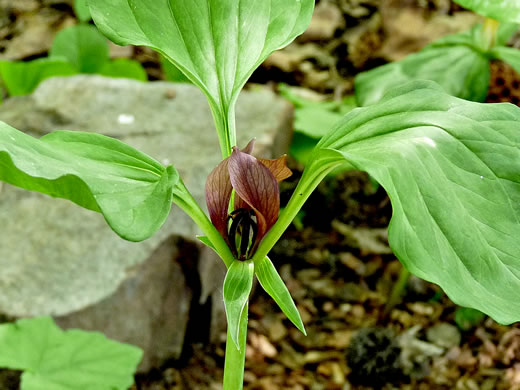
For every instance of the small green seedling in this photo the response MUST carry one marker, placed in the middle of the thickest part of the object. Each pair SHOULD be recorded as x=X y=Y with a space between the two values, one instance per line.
x=451 y=167
x=312 y=119
x=76 y=49
x=53 y=359
x=467 y=318
x=460 y=63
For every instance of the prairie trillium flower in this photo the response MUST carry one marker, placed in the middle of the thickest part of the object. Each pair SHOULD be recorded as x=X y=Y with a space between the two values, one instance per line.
x=256 y=202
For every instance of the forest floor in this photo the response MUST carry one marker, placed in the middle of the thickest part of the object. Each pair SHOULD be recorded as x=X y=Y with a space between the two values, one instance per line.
x=335 y=259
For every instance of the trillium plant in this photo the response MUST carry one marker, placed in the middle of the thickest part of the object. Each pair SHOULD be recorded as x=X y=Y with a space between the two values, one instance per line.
x=451 y=167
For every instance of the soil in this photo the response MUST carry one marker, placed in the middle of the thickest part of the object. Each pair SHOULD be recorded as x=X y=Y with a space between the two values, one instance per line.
x=335 y=258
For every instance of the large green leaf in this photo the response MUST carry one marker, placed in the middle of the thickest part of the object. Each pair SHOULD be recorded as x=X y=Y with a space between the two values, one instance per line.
x=216 y=43
x=133 y=191
x=503 y=10
x=71 y=360
x=83 y=46
x=452 y=171
x=237 y=287
x=455 y=62
x=21 y=78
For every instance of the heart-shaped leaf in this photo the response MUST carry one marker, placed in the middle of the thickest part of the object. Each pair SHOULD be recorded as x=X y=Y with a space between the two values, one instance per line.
x=502 y=10
x=133 y=191
x=452 y=171
x=237 y=287
x=216 y=43
x=275 y=287
x=71 y=360
x=455 y=62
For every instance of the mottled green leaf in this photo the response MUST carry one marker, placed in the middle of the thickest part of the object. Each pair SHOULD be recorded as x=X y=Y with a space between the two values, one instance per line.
x=275 y=287
x=83 y=46
x=452 y=171
x=21 y=78
x=133 y=191
x=73 y=360
x=237 y=287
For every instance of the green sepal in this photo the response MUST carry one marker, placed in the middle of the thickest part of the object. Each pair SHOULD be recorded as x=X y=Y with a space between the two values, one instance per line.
x=205 y=240
x=275 y=287
x=237 y=287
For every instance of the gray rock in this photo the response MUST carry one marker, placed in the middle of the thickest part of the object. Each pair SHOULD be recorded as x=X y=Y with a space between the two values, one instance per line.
x=59 y=259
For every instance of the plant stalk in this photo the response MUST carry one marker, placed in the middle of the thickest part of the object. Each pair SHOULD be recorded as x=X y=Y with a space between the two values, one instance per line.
x=397 y=290
x=235 y=359
x=489 y=33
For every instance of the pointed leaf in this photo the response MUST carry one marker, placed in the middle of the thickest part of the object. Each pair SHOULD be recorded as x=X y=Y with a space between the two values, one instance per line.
x=255 y=185
x=216 y=43
x=275 y=287
x=502 y=10
x=83 y=46
x=133 y=191
x=237 y=287
x=467 y=78
x=21 y=78
x=452 y=171
x=71 y=360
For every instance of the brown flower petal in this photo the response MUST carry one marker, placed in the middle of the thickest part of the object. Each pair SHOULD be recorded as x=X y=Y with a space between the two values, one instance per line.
x=278 y=167
x=218 y=194
x=256 y=186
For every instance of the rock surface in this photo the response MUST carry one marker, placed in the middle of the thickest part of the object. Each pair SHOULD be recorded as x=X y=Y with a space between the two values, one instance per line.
x=59 y=259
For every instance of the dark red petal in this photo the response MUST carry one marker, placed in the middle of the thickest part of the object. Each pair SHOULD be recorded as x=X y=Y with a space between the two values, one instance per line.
x=278 y=167
x=256 y=186
x=218 y=194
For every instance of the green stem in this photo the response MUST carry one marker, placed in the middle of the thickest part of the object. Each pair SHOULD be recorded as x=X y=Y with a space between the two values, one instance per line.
x=225 y=125
x=489 y=33
x=235 y=359
x=397 y=290
x=183 y=198
x=314 y=173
